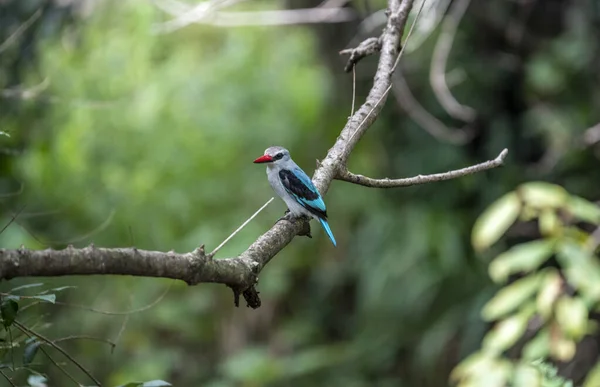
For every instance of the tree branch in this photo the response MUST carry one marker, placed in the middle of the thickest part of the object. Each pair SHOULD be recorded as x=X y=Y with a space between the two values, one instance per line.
x=345 y=175
x=239 y=273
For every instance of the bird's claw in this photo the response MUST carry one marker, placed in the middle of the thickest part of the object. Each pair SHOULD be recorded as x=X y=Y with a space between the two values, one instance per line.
x=293 y=220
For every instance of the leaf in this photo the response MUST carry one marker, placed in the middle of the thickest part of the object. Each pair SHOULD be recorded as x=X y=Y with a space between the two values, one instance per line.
x=550 y=288
x=510 y=298
x=37 y=381
x=549 y=223
x=59 y=289
x=51 y=298
x=4 y=134
x=527 y=376
x=495 y=220
x=27 y=286
x=581 y=269
x=593 y=377
x=30 y=351
x=562 y=349
x=8 y=310
x=538 y=347
x=506 y=333
x=583 y=209
x=572 y=316
x=521 y=258
x=538 y=194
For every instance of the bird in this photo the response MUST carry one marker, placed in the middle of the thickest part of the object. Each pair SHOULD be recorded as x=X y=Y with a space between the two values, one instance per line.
x=294 y=187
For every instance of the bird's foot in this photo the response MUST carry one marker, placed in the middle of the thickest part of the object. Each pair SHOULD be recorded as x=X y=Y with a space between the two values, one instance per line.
x=294 y=219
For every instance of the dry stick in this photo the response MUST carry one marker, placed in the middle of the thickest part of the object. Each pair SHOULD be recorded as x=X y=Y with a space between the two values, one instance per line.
x=344 y=175
x=59 y=349
x=439 y=60
x=212 y=254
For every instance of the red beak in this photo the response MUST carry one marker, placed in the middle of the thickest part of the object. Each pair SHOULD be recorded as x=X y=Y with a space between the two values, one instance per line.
x=263 y=159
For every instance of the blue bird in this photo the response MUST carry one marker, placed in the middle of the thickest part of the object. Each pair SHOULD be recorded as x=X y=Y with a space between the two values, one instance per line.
x=292 y=185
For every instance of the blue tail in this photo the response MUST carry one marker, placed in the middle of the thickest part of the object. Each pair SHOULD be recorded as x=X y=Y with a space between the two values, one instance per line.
x=327 y=230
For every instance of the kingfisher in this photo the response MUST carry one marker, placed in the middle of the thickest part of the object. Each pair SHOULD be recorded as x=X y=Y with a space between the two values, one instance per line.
x=294 y=186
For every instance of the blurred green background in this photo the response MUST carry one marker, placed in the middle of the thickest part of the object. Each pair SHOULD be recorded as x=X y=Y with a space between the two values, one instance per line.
x=119 y=135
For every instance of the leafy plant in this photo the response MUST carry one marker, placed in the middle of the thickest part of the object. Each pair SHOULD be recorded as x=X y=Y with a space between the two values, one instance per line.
x=549 y=287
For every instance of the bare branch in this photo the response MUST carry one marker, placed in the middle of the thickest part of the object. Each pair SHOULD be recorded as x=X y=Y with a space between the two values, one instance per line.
x=423 y=118
x=208 y=13
x=368 y=47
x=345 y=175
x=239 y=273
x=439 y=61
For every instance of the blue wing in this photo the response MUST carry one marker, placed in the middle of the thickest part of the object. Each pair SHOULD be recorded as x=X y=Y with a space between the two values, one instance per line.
x=299 y=185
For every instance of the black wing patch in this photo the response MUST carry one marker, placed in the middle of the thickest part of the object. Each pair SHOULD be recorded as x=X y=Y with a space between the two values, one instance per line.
x=304 y=194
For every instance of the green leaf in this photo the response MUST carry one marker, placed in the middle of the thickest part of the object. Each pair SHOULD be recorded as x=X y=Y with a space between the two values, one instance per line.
x=51 y=298
x=521 y=258
x=59 y=289
x=495 y=220
x=593 y=377
x=510 y=297
x=8 y=310
x=583 y=209
x=506 y=333
x=549 y=223
x=27 y=286
x=581 y=269
x=550 y=289
x=538 y=194
x=30 y=351
x=562 y=349
x=539 y=346
x=572 y=316
x=526 y=376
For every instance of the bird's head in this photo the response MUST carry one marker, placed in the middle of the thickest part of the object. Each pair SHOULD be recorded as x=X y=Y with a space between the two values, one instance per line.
x=274 y=155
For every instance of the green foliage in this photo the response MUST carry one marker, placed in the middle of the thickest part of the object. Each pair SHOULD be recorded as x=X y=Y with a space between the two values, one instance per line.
x=538 y=296
x=8 y=310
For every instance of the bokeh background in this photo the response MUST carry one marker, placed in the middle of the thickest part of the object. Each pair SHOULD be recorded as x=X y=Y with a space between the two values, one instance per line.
x=120 y=132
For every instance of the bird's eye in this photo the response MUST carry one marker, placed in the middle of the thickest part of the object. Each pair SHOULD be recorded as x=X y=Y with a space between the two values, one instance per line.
x=278 y=156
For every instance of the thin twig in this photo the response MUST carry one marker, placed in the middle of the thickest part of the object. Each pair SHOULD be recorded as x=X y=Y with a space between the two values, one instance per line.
x=212 y=254
x=353 y=89
x=436 y=128
x=345 y=175
x=19 y=31
x=85 y=337
x=7 y=378
x=64 y=371
x=14 y=217
x=15 y=193
x=126 y=313
x=208 y=13
x=439 y=61
x=59 y=349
